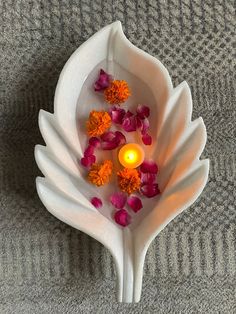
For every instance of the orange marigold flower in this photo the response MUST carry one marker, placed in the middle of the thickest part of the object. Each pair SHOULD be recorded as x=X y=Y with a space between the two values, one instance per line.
x=100 y=174
x=117 y=92
x=128 y=180
x=98 y=123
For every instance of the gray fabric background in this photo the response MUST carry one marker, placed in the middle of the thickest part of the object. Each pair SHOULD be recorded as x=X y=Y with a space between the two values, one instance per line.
x=45 y=265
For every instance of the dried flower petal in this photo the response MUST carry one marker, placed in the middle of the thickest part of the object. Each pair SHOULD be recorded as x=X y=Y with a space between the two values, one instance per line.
x=144 y=126
x=118 y=200
x=97 y=202
x=117 y=114
x=95 y=142
x=143 y=111
x=117 y=92
x=103 y=81
x=111 y=140
x=120 y=138
x=148 y=177
x=88 y=161
x=122 y=218
x=89 y=151
x=129 y=124
x=135 y=203
x=147 y=139
x=150 y=190
x=149 y=166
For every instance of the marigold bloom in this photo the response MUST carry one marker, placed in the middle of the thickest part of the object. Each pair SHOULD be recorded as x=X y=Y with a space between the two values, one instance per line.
x=98 y=123
x=117 y=92
x=100 y=174
x=128 y=180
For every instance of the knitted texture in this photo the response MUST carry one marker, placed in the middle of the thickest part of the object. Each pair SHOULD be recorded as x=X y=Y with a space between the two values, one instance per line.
x=49 y=267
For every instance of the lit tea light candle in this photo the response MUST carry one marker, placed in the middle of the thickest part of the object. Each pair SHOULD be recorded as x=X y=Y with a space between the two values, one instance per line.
x=131 y=155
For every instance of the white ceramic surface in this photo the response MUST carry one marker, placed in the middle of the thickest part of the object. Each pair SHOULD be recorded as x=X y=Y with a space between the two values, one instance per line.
x=177 y=145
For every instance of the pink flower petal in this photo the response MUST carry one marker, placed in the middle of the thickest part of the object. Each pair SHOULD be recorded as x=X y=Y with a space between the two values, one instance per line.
x=88 y=161
x=150 y=190
x=147 y=139
x=143 y=111
x=103 y=81
x=89 y=151
x=138 y=122
x=135 y=203
x=94 y=141
x=129 y=124
x=118 y=200
x=128 y=114
x=148 y=177
x=111 y=140
x=120 y=138
x=149 y=166
x=108 y=136
x=117 y=114
x=97 y=202
x=122 y=218
x=144 y=126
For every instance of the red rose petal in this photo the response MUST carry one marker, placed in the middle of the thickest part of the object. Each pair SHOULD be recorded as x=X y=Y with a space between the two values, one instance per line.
x=89 y=151
x=108 y=136
x=150 y=190
x=121 y=139
x=117 y=114
x=118 y=200
x=88 y=161
x=147 y=139
x=135 y=203
x=143 y=111
x=111 y=140
x=122 y=218
x=144 y=126
x=148 y=178
x=97 y=202
x=149 y=166
x=94 y=141
x=129 y=124
x=103 y=81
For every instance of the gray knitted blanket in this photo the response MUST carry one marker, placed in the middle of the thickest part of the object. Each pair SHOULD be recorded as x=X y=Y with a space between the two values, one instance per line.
x=47 y=266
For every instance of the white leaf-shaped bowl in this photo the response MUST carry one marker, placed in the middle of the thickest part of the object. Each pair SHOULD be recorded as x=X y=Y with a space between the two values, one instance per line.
x=177 y=145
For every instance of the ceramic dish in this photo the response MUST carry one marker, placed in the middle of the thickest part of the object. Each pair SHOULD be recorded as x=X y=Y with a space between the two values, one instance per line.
x=177 y=145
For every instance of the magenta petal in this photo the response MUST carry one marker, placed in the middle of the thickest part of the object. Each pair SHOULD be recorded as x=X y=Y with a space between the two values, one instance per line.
x=135 y=203
x=94 y=141
x=139 y=122
x=149 y=166
x=97 y=202
x=109 y=145
x=143 y=111
x=148 y=177
x=130 y=124
x=89 y=151
x=144 y=126
x=122 y=218
x=103 y=81
x=128 y=114
x=147 y=139
x=111 y=140
x=108 y=136
x=118 y=200
x=150 y=190
x=88 y=161
x=121 y=139
x=117 y=114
